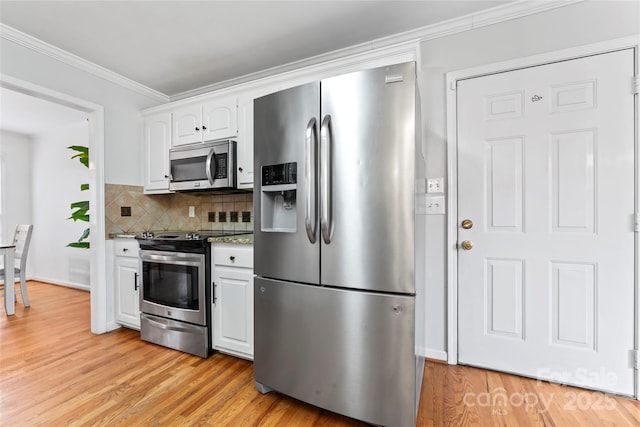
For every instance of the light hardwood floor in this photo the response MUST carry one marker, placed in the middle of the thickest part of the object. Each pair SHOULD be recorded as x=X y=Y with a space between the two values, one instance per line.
x=54 y=372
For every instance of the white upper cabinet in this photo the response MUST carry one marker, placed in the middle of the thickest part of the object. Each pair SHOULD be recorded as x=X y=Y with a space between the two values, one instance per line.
x=207 y=121
x=220 y=119
x=245 y=141
x=245 y=135
x=157 y=141
x=187 y=125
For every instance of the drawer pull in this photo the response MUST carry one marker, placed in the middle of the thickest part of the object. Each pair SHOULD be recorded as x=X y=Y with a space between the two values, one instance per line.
x=232 y=258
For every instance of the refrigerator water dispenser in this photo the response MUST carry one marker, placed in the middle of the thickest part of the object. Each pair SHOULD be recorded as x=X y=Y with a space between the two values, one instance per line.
x=278 y=198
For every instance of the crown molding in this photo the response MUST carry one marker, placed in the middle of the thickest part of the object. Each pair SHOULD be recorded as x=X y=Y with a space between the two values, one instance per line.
x=509 y=11
x=483 y=18
x=37 y=45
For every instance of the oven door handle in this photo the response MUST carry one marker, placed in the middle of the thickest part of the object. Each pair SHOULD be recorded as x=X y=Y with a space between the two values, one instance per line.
x=168 y=259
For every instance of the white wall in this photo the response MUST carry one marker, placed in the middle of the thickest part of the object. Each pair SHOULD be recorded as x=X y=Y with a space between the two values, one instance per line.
x=56 y=180
x=123 y=124
x=569 y=26
x=15 y=150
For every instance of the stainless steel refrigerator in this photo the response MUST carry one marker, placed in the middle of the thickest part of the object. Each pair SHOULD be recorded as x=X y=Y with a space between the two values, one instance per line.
x=335 y=247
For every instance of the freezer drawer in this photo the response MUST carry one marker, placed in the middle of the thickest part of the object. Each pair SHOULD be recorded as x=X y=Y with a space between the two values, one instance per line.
x=349 y=352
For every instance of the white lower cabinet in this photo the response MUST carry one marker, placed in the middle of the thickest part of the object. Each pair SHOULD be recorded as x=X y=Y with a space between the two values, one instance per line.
x=232 y=301
x=126 y=281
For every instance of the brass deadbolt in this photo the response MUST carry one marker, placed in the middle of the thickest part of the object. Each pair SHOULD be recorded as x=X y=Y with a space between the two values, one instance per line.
x=467 y=224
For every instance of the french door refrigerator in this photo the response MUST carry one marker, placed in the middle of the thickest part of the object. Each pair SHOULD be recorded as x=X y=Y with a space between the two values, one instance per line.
x=334 y=244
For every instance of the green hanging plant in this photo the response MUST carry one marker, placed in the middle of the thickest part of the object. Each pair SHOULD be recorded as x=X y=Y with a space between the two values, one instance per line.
x=80 y=210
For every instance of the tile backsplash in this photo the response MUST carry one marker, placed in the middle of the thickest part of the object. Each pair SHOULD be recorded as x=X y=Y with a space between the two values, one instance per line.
x=129 y=210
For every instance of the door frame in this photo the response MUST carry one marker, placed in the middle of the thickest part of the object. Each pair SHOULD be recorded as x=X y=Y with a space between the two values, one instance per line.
x=98 y=284
x=452 y=79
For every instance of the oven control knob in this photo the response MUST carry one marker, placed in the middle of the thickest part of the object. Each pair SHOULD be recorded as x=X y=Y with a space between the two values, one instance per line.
x=189 y=236
x=195 y=236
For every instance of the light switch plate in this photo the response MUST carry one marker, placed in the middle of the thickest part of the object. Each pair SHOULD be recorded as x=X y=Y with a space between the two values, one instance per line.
x=192 y=211
x=435 y=205
x=435 y=185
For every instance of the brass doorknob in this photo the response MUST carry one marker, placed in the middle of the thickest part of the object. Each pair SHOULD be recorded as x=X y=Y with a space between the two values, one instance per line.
x=466 y=245
x=467 y=224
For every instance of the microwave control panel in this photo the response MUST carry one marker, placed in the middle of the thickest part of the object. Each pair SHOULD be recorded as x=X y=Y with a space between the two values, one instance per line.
x=221 y=165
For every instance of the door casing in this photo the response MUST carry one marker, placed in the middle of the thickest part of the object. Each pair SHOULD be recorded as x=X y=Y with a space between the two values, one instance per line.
x=452 y=172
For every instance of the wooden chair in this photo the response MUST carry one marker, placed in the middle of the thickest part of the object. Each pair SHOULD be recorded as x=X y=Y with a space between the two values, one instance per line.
x=21 y=240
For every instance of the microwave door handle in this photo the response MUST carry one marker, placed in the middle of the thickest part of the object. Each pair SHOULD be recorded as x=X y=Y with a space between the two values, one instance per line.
x=211 y=162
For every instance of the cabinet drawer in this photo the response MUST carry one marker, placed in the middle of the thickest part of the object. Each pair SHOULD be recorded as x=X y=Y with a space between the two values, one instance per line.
x=233 y=255
x=126 y=247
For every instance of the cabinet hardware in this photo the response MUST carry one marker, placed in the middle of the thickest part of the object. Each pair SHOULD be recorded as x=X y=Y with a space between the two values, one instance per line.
x=213 y=292
x=135 y=281
x=125 y=249
x=239 y=169
x=197 y=129
x=204 y=127
x=232 y=258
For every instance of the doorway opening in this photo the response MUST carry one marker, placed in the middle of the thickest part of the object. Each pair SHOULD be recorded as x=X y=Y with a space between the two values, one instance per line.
x=97 y=257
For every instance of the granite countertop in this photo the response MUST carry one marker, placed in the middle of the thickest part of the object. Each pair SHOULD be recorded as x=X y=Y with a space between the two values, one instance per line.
x=243 y=239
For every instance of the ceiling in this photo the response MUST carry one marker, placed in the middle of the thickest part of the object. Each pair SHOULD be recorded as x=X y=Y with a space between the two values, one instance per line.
x=28 y=115
x=178 y=46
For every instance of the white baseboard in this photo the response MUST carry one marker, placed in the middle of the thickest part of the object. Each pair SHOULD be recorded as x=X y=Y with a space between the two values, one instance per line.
x=111 y=326
x=429 y=353
x=79 y=286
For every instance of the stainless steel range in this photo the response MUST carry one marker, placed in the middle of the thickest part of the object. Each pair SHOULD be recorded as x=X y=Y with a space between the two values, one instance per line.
x=175 y=297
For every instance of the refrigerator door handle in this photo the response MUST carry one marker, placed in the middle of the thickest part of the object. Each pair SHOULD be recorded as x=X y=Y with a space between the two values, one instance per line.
x=326 y=225
x=310 y=176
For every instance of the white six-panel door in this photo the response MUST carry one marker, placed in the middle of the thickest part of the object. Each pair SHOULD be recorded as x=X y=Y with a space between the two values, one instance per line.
x=546 y=266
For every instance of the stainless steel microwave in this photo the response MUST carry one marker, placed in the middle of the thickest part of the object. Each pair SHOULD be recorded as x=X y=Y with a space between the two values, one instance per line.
x=209 y=166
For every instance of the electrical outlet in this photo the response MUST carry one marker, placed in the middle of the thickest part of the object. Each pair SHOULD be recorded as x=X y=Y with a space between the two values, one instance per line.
x=435 y=185
x=192 y=211
x=435 y=205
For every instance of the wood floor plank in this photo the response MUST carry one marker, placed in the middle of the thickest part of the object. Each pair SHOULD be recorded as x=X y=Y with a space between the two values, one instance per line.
x=54 y=372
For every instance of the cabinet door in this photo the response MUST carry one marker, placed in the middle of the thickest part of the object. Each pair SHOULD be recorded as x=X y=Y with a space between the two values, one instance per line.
x=157 y=141
x=220 y=118
x=245 y=142
x=187 y=125
x=233 y=311
x=126 y=291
